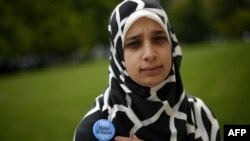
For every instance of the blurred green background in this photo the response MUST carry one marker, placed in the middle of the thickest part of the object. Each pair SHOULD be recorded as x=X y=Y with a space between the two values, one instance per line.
x=53 y=61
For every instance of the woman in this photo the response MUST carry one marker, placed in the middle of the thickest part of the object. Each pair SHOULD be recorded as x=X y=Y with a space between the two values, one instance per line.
x=145 y=99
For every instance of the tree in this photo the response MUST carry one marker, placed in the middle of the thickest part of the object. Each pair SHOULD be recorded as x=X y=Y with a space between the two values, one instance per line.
x=196 y=20
x=188 y=20
x=231 y=17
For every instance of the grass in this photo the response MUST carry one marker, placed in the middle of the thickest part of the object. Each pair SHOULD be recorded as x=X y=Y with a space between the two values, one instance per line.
x=46 y=105
x=219 y=74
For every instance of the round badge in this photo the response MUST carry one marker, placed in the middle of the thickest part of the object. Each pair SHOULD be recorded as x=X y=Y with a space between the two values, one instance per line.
x=104 y=130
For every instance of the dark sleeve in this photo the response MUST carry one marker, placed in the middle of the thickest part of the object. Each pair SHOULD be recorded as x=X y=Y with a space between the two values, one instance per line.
x=84 y=131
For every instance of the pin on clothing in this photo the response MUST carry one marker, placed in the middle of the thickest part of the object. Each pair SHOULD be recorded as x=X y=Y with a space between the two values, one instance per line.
x=104 y=130
x=145 y=98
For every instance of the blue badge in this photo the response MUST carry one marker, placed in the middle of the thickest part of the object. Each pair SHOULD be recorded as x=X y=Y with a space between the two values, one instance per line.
x=104 y=130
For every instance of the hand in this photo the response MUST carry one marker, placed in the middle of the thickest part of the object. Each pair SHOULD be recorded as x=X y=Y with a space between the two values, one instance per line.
x=133 y=138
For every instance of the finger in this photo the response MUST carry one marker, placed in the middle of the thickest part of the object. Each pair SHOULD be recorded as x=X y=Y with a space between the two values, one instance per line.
x=136 y=138
x=120 y=138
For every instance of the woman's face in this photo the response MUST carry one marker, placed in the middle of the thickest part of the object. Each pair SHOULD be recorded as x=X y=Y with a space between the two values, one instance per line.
x=147 y=53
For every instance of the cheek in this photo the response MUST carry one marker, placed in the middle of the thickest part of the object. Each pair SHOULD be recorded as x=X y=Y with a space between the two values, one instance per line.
x=131 y=63
x=167 y=57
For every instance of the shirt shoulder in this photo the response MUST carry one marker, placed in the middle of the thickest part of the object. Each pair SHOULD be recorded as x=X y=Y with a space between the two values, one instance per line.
x=84 y=130
x=205 y=123
x=199 y=106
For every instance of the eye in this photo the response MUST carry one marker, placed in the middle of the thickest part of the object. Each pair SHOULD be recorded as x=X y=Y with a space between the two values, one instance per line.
x=133 y=44
x=160 y=39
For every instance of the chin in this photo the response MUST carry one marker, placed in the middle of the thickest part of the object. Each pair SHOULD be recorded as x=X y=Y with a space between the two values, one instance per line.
x=150 y=84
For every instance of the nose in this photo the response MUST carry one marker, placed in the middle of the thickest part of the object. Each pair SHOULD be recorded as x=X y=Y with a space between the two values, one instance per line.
x=149 y=52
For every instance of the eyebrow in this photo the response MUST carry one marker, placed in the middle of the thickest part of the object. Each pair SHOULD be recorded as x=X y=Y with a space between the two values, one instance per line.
x=159 y=32
x=133 y=37
x=137 y=36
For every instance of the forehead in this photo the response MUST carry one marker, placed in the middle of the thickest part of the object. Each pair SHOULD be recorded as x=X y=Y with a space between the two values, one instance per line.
x=144 y=24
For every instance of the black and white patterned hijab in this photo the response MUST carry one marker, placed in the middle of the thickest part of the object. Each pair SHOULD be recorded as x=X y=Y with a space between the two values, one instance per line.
x=160 y=113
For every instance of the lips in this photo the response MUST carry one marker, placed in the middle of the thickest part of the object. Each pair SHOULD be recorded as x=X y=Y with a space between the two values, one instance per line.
x=151 y=70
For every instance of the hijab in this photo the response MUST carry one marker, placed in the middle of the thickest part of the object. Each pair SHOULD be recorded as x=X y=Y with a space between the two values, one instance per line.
x=160 y=113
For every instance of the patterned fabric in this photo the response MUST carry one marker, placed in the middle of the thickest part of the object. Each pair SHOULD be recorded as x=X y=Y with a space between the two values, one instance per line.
x=161 y=113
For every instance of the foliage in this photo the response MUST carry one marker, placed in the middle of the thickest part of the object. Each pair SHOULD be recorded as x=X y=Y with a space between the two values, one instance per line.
x=60 y=27
x=196 y=20
x=44 y=27
x=234 y=19
x=189 y=22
